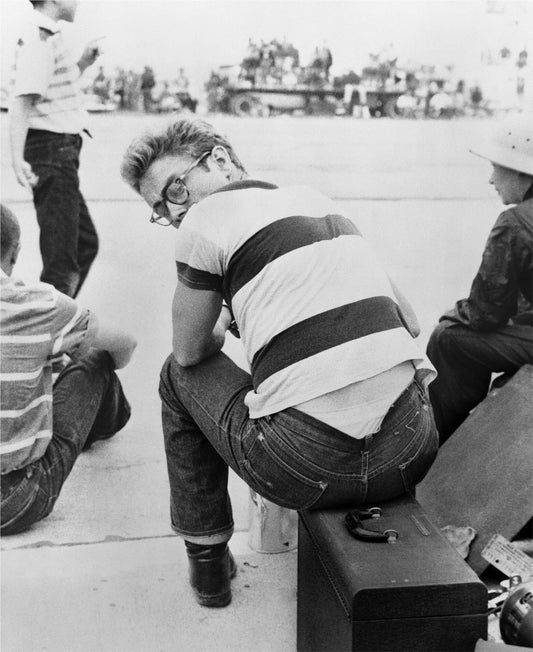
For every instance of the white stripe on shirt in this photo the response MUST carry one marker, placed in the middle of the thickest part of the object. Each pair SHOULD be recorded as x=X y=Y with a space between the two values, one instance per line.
x=29 y=305
x=59 y=342
x=13 y=414
x=24 y=443
x=24 y=339
x=21 y=376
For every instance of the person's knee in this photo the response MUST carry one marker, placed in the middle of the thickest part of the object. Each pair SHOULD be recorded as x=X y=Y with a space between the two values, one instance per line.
x=96 y=362
x=170 y=381
x=444 y=340
x=168 y=371
x=93 y=246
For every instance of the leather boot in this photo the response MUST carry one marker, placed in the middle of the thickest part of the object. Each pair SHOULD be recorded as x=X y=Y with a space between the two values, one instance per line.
x=210 y=571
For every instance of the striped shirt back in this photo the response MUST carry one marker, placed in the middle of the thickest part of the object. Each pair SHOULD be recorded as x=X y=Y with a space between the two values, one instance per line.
x=315 y=308
x=37 y=322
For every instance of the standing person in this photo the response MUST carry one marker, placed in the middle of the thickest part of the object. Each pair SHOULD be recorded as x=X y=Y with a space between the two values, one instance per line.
x=45 y=425
x=491 y=330
x=47 y=119
x=335 y=409
x=147 y=87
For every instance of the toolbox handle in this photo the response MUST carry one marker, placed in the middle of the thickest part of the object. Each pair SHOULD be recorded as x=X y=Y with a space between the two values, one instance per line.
x=353 y=521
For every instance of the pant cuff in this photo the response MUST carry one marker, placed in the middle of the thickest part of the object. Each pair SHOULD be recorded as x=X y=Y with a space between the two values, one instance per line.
x=206 y=539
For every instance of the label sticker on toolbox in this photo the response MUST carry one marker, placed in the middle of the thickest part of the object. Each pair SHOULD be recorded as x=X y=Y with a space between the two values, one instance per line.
x=507 y=558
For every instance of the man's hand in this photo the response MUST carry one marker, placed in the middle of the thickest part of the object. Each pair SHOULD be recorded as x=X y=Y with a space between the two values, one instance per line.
x=91 y=52
x=25 y=175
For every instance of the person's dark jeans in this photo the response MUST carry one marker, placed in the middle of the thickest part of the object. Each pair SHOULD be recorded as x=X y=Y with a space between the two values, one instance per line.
x=289 y=458
x=465 y=360
x=88 y=404
x=68 y=238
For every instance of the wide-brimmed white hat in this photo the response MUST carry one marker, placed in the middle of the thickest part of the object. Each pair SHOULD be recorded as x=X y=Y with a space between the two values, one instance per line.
x=511 y=144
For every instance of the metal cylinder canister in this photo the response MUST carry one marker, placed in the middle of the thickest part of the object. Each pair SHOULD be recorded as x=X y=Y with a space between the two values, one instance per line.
x=272 y=528
x=516 y=620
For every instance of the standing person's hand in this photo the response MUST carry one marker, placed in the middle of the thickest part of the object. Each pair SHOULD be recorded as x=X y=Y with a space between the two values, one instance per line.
x=25 y=175
x=91 y=52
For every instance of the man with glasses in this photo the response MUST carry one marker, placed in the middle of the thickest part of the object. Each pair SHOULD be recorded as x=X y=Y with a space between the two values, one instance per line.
x=334 y=410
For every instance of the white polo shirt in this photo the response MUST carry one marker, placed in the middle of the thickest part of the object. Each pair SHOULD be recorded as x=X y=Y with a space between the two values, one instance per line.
x=45 y=68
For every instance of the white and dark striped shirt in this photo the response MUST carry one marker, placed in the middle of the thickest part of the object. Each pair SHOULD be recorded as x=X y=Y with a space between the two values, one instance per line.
x=45 y=68
x=315 y=309
x=37 y=322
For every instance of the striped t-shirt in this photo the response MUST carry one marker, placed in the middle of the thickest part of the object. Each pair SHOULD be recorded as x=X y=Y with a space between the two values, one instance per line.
x=315 y=309
x=37 y=322
x=45 y=67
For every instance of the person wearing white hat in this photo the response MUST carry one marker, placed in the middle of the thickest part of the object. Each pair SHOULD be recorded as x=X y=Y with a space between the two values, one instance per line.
x=491 y=331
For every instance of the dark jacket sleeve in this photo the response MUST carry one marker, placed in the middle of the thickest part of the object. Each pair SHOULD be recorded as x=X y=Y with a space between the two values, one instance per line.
x=495 y=291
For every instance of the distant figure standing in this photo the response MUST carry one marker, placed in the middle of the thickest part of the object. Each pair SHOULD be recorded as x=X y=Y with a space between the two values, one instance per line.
x=476 y=98
x=101 y=85
x=182 y=82
x=147 y=86
x=326 y=59
x=47 y=118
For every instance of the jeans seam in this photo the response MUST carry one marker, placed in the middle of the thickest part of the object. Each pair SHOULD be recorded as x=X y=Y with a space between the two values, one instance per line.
x=261 y=441
x=391 y=463
x=311 y=465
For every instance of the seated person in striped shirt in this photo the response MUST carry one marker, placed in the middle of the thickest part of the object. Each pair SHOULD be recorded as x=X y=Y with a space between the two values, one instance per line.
x=45 y=425
x=334 y=410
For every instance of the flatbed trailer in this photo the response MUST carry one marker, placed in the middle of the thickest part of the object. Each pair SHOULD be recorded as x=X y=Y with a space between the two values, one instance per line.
x=266 y=100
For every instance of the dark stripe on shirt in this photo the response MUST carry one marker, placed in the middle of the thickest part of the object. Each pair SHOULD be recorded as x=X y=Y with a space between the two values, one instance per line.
x=324 y=331
x=197 y=279
x=278 y=239
x=246 y=184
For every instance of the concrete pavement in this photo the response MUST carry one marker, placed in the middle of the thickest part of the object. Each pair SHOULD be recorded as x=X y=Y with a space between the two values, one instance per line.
x=104 y=572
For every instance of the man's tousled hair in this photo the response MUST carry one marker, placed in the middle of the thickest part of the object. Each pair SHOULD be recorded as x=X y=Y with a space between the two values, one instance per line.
x=191 y=137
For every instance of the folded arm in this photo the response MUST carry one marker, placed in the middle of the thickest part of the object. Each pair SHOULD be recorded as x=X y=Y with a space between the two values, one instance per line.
x=199 y=324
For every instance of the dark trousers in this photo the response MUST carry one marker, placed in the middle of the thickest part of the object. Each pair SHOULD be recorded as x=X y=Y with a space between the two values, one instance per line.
x=68 y=238
x=465 y=360
x=88 y=404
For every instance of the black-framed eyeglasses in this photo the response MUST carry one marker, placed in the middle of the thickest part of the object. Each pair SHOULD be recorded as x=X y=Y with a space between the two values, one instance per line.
x=175 y=192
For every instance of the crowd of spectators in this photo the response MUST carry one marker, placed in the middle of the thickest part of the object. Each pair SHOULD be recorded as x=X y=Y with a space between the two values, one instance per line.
x=278 y=63
x=130 y=90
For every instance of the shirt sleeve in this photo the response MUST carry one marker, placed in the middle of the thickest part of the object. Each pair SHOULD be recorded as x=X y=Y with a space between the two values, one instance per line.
x=34 y=65
x=71 y=327
x=198 y=258
x=494 y=294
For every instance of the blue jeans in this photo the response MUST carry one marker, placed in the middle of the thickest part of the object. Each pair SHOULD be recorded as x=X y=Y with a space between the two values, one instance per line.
x=290 y=458
x=88 y=404
x=68 y=239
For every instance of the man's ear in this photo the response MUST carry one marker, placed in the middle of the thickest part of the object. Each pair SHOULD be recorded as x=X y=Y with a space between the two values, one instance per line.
x=221 y=157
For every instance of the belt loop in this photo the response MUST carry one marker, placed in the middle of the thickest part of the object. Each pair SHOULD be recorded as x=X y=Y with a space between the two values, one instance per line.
x=364 y=463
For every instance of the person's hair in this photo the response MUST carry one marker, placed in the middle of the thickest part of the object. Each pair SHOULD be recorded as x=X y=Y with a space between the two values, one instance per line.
x=10 y=231
x=187 y=136
x=37 y=3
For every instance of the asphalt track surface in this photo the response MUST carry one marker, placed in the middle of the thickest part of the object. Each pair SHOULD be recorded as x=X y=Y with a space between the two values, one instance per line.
x=104 y=570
